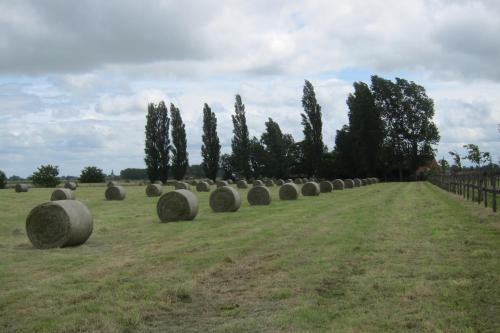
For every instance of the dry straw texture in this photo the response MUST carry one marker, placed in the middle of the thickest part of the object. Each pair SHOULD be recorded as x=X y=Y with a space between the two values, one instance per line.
x=242 y=184
x=310 y=189
x=225 y=199
x=280 y=182
x=364 y=182
x=289 y=191
x=115 y=193
x=112 y=183
x=259 y=195
x=203 y=187
x=269 y=182
x=71 y=185
x=178 y=205
x=298 y=181
x=21 y=188
x=59 y=224
x=193 y=182
x=325 y=186
x=221 y=183
x=258 y=182
x=357 y=182
x=154 y=190
x=62 y=194
x=181 y=186
x=338 y=184
x=348 y=183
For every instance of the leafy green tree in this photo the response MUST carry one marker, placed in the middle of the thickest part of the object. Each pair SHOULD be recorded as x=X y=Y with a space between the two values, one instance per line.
x=313 y=138
x=258 y=158
x=92 y=174
x=344 y=153
x=475 y=155
x=444 y=165
x=134 y=174
x=179 y=150
x=366 y=131
x=456 y=159
x=46 y=176
x=407 y=114
x=240 y=143
x=3 y=179
x=157 y=145
x=274 y=141
x=226 y=165
x=210 y=149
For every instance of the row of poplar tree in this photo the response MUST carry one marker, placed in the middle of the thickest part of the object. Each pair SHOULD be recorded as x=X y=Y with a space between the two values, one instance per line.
x=390 y=134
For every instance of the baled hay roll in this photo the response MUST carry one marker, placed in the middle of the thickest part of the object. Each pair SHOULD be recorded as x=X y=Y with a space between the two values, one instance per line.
x=348 y=183
x=154 y=190
x=21 y=188
x=289 y=191
x=376 y=180
x=298 y=181
x=62 y=194
x=193 y=182
x=178 y=205
x=112 y=183
x=289 y=180
x=211 y=182
x=70 y=185
x=225 y=199
x=171 y=182
x=325 y=186
x=158 y=182
x=305 y=180
x=259 y=195
x=310 y=189
x=59 y=224
x=338 y=184
x=242 y=184
x=115 y=193
x=258 y=182
x=230 y=181
x=364 y=182
x=181 y=186
x=357 y=182
x=280 y=182
x=221 y=183
x=203 y=187
x=269 y=183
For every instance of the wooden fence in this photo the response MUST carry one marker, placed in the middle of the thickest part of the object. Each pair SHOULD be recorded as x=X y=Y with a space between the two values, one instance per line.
x=478 y=186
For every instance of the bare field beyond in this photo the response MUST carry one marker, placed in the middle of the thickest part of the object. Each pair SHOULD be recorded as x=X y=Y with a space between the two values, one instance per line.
x=386 y=257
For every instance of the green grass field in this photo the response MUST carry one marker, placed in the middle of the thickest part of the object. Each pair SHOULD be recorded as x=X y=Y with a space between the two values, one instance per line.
x=387 y=257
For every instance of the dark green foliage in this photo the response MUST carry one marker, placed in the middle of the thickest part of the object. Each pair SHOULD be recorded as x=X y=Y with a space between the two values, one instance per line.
x=313 y=146
x=258 y=158
x=157 y=145
x=344 y=153
x=475 y=156
x=92 y=174
x=134 y=174
x=456 y=159
x=3 y=179
x=226 y=165
x=240 y=143
x=277 y=146
x=195 y=170
x=210 y=149
x=46 y=176
x=179 y=149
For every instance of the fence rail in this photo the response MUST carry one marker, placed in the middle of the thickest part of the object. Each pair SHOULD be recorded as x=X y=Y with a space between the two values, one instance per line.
x=481 y=187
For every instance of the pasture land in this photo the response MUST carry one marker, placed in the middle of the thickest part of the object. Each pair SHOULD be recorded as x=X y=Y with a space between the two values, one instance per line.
x=386 y=257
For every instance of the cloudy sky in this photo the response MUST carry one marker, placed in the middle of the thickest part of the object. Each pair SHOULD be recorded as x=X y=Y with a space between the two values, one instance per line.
x=76 y=76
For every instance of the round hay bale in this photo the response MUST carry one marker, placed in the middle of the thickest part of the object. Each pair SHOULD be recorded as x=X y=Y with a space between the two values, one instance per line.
x=193 y=182
x=62 y=194
x=280 y=182
x=211 y=182
x=203 y=187
x=171 y=182
x=257 y=182
x=338 y=184
x=115 y=193
x=305 y=180
x=112 y=183
x=310 y=189
x=289 y=191
x=181 y=186
x=357 y=182
x=70 y=185
x=364 y=182
x=269 y=183
x=221 y=183
x=242 y=183
x=178 y=205
x=325 y=186
x=230 y=181
x=59 y=224
x=289 y=180
x=154 y=190
x=158 y=182
x=298 y=181
x=225 y=199
x=348 y=183
x=21 y=188
x=259 y=195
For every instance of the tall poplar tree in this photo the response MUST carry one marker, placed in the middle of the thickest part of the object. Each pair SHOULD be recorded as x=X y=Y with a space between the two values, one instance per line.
x=210 y=149
x=179 y=149
x=163 y=141
x=278 y=163
x=157 y=144
x=313 y=147
x=240 y=143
